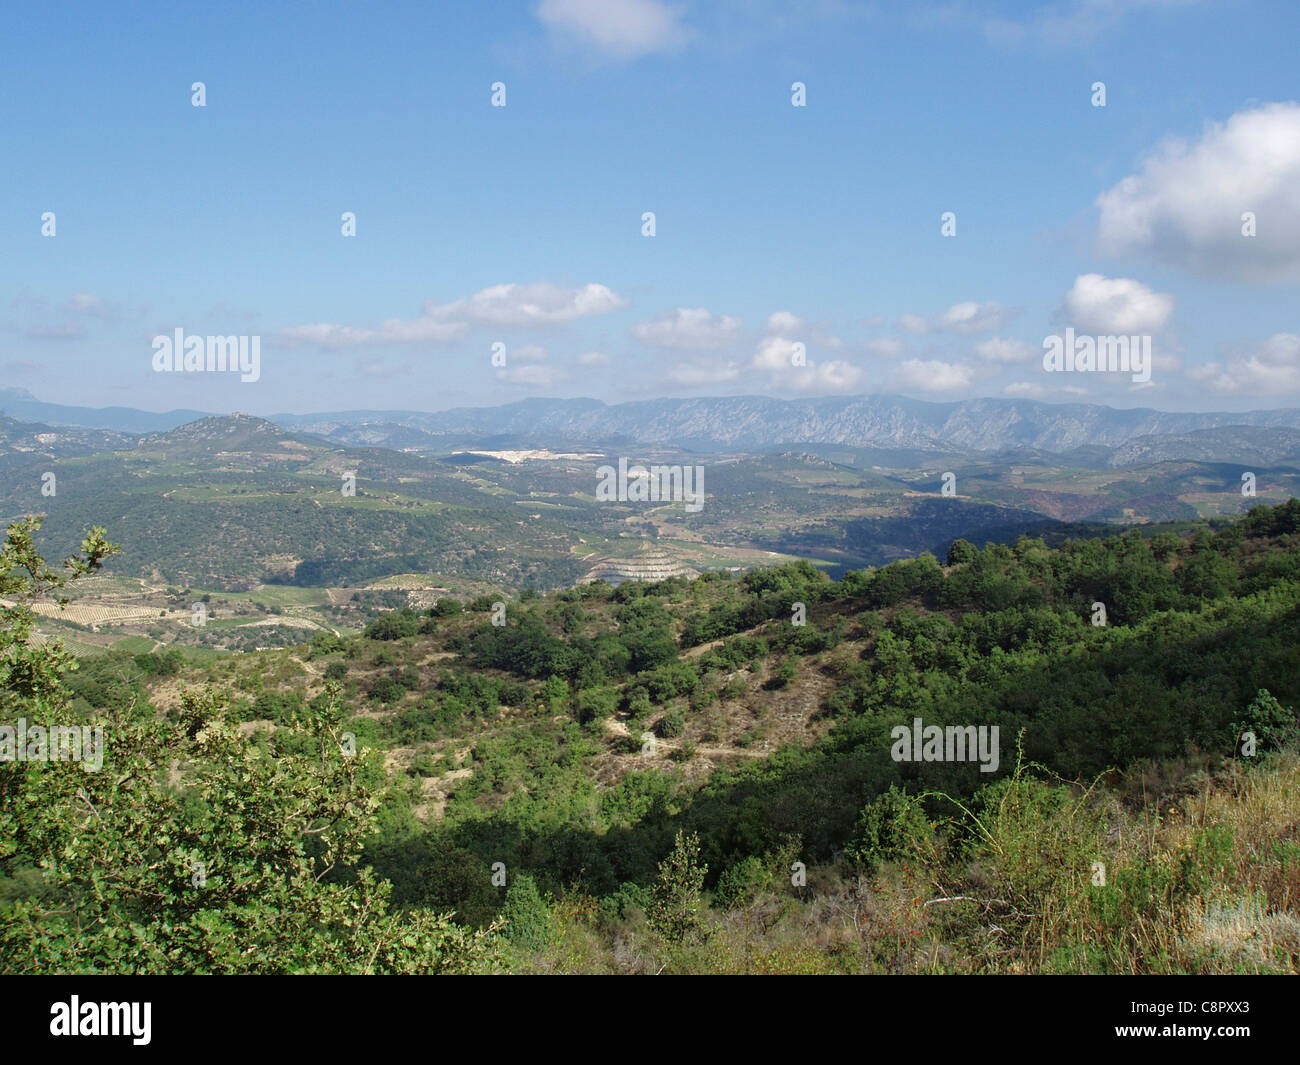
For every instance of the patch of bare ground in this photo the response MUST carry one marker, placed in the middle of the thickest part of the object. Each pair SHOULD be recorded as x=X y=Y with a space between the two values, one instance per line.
x=434 y=793
x=734 y=730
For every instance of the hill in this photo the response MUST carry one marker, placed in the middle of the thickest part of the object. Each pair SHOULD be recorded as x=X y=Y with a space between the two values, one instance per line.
x=601 y=738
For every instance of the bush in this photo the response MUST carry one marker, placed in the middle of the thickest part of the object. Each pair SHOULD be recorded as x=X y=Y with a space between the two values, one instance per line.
x=676 y=899
x=889 y=828
x=782 y=676
x=393 y=625
x=1272 y=723
x=526 y=917
x=672 y=724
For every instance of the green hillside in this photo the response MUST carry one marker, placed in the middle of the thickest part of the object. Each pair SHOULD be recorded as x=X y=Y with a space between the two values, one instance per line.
x=679 y=775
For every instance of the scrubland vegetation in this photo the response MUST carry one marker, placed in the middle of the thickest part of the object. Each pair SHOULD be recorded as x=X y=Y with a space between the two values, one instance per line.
x=680 y=777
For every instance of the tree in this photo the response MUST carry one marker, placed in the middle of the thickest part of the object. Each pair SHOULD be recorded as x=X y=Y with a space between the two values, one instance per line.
x=393 y=625
x=961 y=551
x=245 y=863
x=676 y=899
x=1272 y=723
x=525 y=915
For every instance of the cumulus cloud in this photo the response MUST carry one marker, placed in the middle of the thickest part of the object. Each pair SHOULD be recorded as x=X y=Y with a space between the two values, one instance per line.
x=688 y=328
x=593 y=358
x=934 y=375
x=785 y=322
x=834 y=376
x=1030 y=390
x=1270 y=368
x=393 y=331
x=961 y=318
x=1115 y=306
x=1185 y=206
x=972 y=317
x=538 y=304
x=621 y=29
x=775 y=357
x=774 y=353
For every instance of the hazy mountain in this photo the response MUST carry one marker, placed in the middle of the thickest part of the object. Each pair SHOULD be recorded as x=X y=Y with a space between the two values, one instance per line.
x=893 y=423
x=748 y=422
x=21 y=404
x=58 y=440
x=1261 y=446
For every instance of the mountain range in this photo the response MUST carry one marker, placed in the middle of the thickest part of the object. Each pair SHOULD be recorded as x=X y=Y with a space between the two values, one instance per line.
x=759 y=423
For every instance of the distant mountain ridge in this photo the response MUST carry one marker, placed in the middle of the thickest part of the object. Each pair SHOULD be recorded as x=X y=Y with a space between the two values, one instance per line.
x=21 y=405
x=749 y=422
x=756 y=423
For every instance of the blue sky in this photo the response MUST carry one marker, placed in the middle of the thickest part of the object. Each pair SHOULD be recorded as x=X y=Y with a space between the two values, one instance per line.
x=775 y=225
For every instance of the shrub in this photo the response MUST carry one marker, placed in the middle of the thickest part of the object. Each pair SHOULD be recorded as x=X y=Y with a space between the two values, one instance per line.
x=888 y=829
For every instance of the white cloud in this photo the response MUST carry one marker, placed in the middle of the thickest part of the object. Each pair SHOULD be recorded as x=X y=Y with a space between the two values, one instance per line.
x=774 y=353
x=961 y=318
x=785 y=322
x=1271 y=368
x=85 y=303
x=774 y=356
x=527 y=353
x=971 y=317
x=539 y=303
x=393 y=331
x=999 y=349
x=686 y=328
x=593 y=358
x=1024 y=390
x=623 y=29
x=1064 y=23
x=1029 y=390
x=1115 y=306
x=934 y=375
x=1185 y=206
x=834 y=376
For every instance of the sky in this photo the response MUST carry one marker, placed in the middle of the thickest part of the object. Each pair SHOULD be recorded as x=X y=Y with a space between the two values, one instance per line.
x=799 y=160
